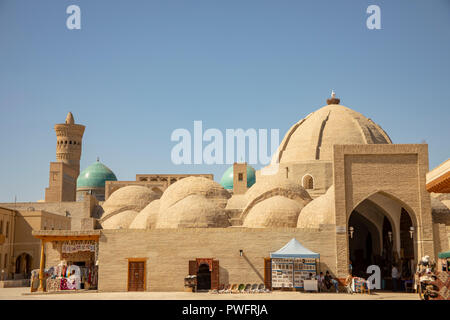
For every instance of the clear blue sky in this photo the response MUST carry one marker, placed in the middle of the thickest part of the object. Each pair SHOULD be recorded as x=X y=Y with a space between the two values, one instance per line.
x=137 y=70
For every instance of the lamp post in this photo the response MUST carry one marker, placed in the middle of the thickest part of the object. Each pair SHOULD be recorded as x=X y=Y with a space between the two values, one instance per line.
x=241 y=252
x=351 y=231
x=411 y=231
x=390 y=236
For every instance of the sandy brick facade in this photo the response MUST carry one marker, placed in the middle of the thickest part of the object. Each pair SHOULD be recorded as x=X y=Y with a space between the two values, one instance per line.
x=395 y=170
x=167 y=253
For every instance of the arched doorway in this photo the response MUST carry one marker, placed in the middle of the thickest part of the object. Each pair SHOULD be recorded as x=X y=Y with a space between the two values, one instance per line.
x=23 y=264
x=203 y=277
x=364 y=245
x=382 y=233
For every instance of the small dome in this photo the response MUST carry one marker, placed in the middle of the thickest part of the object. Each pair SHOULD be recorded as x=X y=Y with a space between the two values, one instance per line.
x=128 y=198
x=193 y=211
x=194 y=186
x=319 y=211
x=274 y=212
x=313 y=137
x=120 y=220
x=227 y=178
x=278 y=185
x=95 y=176
x=146 y=219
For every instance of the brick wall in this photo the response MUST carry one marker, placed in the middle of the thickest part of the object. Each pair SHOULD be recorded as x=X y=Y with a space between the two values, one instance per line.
x=169 y=251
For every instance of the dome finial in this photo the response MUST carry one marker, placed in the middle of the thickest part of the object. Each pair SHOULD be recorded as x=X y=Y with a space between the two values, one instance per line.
x=98 y=159
x=333 y=99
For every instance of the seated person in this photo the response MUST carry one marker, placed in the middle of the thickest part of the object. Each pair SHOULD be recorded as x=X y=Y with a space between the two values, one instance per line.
x=335 y=284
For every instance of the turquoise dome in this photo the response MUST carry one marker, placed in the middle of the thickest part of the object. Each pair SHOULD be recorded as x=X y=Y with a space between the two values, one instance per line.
x=227 y=178
x=95 y=176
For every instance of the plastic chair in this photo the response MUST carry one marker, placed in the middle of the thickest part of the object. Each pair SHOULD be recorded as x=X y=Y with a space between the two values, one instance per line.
x=225 y=289
x=241 y=288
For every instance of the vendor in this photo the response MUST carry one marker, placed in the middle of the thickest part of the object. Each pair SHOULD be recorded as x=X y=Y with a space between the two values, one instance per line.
x=74 y=281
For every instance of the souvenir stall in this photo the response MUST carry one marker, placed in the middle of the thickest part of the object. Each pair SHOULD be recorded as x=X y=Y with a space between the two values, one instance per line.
x=77 y=269
x=73 y=265
x=295 y=266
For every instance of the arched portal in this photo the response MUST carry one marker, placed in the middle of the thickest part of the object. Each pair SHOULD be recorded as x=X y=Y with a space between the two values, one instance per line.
x=383 y=235
x=364 y=244
x=203 y=277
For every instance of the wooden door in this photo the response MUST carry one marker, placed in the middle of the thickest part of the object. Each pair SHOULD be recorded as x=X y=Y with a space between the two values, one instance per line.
x=215 y=275
x=268 y=273
x=136 y=276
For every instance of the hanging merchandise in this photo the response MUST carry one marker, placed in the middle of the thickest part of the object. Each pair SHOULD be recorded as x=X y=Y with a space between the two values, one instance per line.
x=72 y=246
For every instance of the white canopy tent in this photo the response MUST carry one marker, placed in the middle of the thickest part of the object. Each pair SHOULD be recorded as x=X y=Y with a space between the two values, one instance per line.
x=292 y=265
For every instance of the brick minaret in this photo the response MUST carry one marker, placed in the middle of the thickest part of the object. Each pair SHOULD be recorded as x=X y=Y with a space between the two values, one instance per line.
x=64 y=173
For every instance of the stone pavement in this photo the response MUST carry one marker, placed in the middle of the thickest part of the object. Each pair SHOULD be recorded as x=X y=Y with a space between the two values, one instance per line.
x=23 y=294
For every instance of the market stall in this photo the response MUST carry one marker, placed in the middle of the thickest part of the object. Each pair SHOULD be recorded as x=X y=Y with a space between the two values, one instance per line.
x=294 y=266
x=75 y=266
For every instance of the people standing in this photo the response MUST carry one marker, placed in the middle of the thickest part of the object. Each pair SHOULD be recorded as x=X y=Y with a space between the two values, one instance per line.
x=395 y=276
x=320 y=281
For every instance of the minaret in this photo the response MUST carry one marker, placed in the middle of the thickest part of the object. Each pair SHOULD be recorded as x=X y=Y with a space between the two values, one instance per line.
x=65 y=171
x=69 y=138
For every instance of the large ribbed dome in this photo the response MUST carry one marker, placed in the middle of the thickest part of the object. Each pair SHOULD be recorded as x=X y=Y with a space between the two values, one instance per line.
x=313 y=137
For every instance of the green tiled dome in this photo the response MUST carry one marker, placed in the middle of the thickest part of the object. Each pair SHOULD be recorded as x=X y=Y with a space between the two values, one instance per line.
x=95 y=176
x=227 y=178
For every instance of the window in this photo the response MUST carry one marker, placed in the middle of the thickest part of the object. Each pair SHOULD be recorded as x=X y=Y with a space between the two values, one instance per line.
x=5 y=263
x=240 y=177
x=308 y=182
x=1 y=227
x=7 y=229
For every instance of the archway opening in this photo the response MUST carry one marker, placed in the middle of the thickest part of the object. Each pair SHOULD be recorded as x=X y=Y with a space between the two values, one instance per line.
x=381 y=232
x=308 y=182
x=23 y=264
x=203 y=277
x=364 y=244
